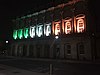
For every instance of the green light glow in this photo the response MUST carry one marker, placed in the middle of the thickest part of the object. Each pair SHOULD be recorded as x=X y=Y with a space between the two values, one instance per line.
x=20 y=33
x=26 y=32
x=15 y=34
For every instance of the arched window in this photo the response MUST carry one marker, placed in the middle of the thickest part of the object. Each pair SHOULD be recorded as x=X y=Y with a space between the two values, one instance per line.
x=57 y=28
x=80 y=23
x=47 y=29
x=68 y=26
x=39 y=30
x=20 y=33
x=15 y=34
x=32 y=31
x=26 y=32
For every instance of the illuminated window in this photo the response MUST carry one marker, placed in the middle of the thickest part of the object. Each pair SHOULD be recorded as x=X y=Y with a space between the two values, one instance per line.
x=39 y=30
x=57 y=28
x=68 y=26
x=32 y=32
x=47 y=29
x=26 y=32
x=80 y=24
x=20 y=33
x=15 y=34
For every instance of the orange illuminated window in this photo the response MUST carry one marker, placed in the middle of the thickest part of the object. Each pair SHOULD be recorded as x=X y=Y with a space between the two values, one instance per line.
x=57 y=28
x=67 y=27
x=80 y=24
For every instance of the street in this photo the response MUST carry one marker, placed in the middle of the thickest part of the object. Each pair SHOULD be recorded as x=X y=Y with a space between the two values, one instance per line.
x=59 y=68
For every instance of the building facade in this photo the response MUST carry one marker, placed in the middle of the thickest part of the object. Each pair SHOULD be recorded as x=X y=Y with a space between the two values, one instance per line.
x=62 y=32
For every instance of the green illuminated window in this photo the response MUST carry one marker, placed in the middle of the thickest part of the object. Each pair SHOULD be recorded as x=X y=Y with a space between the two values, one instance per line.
x=26 y=32
x=15 y=34
x=20 y=33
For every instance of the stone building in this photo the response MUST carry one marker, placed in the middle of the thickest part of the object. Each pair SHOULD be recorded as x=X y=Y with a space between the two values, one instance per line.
x=63 y=32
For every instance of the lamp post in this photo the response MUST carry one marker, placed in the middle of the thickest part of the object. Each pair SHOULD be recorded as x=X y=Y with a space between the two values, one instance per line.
x=51 y=66
x=56 y=37
x=6 y=47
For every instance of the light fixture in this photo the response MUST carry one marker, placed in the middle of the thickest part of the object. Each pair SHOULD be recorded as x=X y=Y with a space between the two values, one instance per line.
x=6 y=41
x=56 y=37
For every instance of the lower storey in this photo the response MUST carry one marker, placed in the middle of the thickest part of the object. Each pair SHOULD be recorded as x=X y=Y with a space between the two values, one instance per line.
x=67 y=48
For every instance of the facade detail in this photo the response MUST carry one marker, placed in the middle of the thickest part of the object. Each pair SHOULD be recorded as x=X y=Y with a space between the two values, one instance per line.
x=60 y=32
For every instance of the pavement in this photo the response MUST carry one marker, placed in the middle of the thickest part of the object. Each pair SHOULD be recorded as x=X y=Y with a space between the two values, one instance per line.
x=57 y=60
x=9 y=70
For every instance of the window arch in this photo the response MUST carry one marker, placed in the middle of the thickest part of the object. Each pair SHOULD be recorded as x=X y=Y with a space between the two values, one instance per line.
x=57 y=28
x=67 y=26
x=80 y=23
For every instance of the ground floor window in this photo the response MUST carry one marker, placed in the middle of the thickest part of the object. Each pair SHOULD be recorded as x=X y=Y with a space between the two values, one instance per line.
x=67 y=50
x=81 y=48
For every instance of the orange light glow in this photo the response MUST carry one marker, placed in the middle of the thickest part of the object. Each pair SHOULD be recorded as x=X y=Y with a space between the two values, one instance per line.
x=80 y=25
x=63 y=27
x=68 y=27
x=75 y=25
x=53 y=30
x=57 y=29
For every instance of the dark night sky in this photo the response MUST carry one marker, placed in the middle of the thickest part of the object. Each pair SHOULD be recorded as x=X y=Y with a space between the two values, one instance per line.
x=10 y=9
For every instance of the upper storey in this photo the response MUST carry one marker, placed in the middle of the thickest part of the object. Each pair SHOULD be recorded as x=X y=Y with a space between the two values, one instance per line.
x=65 y=18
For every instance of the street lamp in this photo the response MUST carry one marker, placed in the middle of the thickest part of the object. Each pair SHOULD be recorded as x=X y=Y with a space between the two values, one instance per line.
x=56 y=37
x=6 y=41
x=51 y=66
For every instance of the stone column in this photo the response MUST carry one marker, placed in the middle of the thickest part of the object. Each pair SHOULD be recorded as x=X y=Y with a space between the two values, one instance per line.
x=35 y=54
x=43 y=50
x=15 y=51
x=62 y=51
x=27 y=54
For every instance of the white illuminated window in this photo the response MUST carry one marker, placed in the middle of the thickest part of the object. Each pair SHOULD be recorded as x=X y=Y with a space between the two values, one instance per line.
x=32 y=32
x=68 y=27
x=47 y=29
x=80 y=24
x=57 y=28
x=39 y=30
